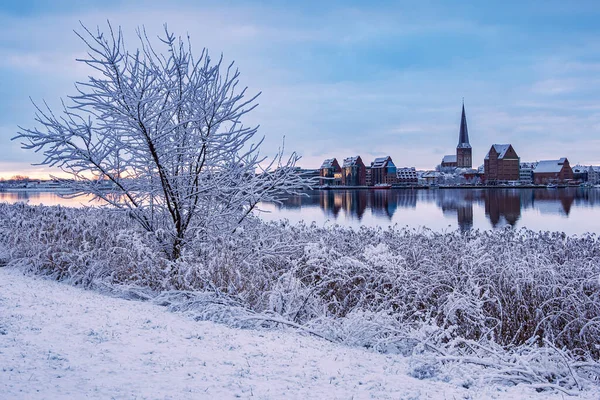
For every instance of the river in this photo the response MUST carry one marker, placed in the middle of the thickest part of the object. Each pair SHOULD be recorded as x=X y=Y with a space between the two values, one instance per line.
x=570 y=210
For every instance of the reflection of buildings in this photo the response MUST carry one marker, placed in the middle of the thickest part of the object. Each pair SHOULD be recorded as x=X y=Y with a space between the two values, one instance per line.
x=354 y=202
x=405 y=198
x=383 y=203
x=502 y=203
x=549 y=201
x=587 y=196
x=458 y=201
x=499 y=206
x=465 y=217
x=329 y=204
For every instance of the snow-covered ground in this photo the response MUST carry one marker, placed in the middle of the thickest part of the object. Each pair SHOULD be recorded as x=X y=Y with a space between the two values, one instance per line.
x=59 y=341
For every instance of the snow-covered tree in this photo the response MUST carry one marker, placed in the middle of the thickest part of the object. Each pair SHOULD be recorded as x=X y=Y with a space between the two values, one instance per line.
x=160 y=135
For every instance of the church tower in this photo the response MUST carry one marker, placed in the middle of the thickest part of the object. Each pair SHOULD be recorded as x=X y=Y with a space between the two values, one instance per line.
x=463 y=150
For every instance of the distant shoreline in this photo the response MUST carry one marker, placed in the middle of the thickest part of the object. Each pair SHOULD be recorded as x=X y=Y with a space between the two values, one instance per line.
x=329 y=188
x=49 y=190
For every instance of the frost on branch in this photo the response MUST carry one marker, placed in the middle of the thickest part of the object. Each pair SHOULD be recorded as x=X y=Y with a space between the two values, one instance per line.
x=163 y=133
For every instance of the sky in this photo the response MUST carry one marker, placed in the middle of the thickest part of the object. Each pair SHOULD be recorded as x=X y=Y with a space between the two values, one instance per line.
x=345 y=78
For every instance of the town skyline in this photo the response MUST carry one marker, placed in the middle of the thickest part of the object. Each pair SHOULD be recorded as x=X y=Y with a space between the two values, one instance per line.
x=354 y=79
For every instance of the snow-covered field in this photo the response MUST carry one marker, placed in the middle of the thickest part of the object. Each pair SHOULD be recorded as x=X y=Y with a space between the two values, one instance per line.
x=59 y=341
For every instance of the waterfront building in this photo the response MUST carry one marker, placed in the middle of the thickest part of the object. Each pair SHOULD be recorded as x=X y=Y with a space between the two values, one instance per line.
x=383 y=171
x=431 y=178
x=337 y=178
x=501 y=164
x=552 y=171
x=330 y=172
x=407 y=176
x=526 y=173
x=353 y=172
x=368 y=177
x=580 y=173
x=594 y=175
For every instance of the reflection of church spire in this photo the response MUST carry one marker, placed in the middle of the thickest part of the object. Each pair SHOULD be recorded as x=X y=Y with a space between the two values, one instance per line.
x=465 y=216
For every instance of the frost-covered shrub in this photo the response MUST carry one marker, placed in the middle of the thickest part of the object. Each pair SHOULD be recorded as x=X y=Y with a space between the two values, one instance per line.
x=79 y=245
x=522 y=305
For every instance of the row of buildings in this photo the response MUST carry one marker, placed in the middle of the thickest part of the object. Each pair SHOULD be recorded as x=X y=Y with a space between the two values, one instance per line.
x=500 y=165
x=354 y=172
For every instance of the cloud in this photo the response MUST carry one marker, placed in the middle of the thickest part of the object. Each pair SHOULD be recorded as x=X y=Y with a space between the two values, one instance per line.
x=556 y=86
x=348 y=79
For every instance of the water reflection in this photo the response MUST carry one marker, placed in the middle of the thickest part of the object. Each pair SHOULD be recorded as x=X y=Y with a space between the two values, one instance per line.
x=460 y=208
x=572 y=210
x=45 y=198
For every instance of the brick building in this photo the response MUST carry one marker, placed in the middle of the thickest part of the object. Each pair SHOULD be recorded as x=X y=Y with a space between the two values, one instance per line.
x=552 y=171
x=353 y=172
x=501 y=164
x=330 y=173
x=383 y=171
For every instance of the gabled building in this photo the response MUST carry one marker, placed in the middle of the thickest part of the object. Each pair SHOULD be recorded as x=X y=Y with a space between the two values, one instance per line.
x=329 y=171
x=552 y=171
x=501 y=164
x=383 y=171
x=353 y=172
x=464 y=157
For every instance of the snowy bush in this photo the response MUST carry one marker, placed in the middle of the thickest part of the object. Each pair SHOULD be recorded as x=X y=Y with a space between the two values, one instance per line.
x=510 y=306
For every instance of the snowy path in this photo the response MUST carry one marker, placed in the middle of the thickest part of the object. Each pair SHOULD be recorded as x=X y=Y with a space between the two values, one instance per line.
x=58 y=341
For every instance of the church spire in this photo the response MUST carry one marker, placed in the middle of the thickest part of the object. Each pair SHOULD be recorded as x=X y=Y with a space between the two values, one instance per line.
x=463 y=137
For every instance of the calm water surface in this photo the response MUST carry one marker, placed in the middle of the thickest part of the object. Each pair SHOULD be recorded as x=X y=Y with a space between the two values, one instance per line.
x=571 y=210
